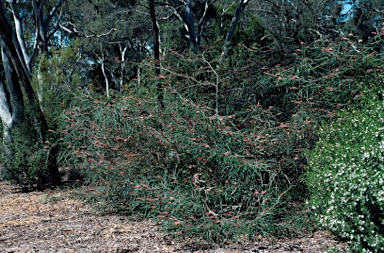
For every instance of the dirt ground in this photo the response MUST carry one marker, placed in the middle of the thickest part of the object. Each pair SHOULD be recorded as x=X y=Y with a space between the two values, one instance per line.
x=42 y=222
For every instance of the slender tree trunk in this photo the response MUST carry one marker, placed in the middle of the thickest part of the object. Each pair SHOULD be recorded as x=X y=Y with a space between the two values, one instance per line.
x=102 y=59
x=123 y=50
x=232 y=28
x=39 y=80
x=156 y=49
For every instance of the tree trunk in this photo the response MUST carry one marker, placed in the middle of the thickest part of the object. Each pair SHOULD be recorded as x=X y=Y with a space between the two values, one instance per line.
x=6 y=119
x=184 y=12
x=156 y=49
x=11 y=108
x=235 y=19
x=123 y=50
x=13 y=87
x=15 y=62
x=102 y=59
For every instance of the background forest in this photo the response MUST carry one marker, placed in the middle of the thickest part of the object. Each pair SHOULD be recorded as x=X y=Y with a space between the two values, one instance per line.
x=222 y=119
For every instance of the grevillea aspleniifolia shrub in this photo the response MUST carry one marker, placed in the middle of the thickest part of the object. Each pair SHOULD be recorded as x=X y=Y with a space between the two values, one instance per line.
x=199 y=175
x=294 y=95
x=346 y=176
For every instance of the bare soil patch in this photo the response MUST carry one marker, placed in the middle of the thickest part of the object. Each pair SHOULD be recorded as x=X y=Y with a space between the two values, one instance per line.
x=41 y=222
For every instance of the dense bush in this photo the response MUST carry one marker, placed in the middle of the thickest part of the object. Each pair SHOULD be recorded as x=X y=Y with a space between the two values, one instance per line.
x=346 y=176
x=203 y=174
x=28 y=166
x=194 y=170
x=28 y=157
x=290 y=94
x=55 y=79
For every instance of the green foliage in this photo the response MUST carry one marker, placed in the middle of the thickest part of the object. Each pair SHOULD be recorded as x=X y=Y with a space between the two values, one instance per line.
x=323 y=77
x=286 y=99
x=28 y=163
x=28 y=155
x=198 y=174
x=55 y=79
x=227 y=153
x=346 y=176
x=210 y=176
x=249 y=31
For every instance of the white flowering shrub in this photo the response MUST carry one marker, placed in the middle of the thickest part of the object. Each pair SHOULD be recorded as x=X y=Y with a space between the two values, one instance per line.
x=346 y=177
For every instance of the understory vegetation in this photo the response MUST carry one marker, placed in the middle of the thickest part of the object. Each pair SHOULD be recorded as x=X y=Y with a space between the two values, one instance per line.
x=267 y=141
x=346 y=176
x=240 y=169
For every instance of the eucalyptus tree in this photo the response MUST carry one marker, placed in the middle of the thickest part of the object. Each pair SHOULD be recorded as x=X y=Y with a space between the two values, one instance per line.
x=292 y=22
x=289 y=22
x=115 y=36
x=199 y=17
x=193 y=15
x=228 y=38
x=26 y=28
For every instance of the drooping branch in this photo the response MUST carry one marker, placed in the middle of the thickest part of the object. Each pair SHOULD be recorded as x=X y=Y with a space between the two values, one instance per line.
x=73 y=30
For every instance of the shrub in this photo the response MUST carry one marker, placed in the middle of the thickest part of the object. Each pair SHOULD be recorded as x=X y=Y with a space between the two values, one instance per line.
x=55 y=79
x=29 y=162
x=291 y=95
x=204 y=175
x=346 y=176
x=27 y=158
x=200 y=176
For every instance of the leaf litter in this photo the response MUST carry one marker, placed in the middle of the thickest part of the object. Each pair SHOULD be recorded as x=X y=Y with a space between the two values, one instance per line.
x=55 y=222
